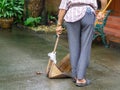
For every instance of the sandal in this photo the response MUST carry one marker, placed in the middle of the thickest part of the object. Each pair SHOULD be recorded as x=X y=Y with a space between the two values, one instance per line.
x=83 y=84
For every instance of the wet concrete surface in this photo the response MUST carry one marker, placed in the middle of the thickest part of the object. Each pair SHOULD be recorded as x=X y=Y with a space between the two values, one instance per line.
x=23 y=53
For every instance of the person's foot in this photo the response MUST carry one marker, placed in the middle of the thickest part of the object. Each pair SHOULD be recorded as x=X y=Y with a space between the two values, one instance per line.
x=82 y=82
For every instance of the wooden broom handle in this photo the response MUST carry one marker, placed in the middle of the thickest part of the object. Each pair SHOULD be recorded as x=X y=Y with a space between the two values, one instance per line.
x=104 y=10
x=106 y=6
x=56 y=43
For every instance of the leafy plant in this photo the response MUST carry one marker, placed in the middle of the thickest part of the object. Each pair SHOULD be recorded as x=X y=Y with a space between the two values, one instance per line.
x=31 y=21
x=19 y=11
x=52 y=18
x=11 y=8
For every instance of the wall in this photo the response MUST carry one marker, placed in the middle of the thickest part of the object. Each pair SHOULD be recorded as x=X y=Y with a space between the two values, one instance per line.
x=115 y=6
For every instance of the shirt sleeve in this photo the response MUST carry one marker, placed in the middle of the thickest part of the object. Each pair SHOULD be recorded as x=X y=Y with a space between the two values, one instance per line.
x=63 y=4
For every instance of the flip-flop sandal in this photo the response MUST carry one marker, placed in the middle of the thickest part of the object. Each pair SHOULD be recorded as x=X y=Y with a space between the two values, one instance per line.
x=83 y=84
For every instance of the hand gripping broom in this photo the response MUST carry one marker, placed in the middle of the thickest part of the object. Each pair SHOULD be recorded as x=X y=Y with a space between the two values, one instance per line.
x=103 y=11
x=62 y=70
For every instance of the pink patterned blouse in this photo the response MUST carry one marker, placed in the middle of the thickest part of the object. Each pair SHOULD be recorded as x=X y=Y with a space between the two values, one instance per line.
x=77 y=12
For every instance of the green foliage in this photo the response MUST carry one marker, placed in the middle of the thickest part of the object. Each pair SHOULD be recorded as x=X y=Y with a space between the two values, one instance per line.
x=19 y=10
x=52 y=18
x=11 y=8
x=31 y=21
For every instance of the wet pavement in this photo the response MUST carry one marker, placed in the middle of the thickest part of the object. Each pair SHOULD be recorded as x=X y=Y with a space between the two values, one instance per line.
x=23 y=53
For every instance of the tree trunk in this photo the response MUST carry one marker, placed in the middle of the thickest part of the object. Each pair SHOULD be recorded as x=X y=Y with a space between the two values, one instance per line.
x=52 y=6
x=33 y=8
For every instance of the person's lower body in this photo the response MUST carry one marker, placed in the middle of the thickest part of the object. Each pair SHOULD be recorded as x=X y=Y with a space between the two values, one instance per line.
x=80 y=35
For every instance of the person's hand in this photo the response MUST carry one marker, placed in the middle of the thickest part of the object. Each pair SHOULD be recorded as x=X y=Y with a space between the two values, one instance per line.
x=100 y=16
x=59 y=30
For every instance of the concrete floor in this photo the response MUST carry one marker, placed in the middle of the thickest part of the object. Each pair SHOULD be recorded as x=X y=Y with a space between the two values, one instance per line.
x=23 y=53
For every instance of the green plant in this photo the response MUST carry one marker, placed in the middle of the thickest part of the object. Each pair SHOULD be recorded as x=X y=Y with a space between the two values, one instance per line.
x=52 y=18
x=31 y=21
x=11 y=8
x=19 y=12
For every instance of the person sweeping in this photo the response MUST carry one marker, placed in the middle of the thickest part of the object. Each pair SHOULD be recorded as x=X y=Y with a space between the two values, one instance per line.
x=79 y=17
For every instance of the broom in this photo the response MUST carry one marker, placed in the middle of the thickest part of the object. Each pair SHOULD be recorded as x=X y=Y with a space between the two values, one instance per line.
x=57 y=71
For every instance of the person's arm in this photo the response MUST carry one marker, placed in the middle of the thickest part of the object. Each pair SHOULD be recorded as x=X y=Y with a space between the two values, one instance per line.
x=61 y=15
x=103 y=4
x=101 y=14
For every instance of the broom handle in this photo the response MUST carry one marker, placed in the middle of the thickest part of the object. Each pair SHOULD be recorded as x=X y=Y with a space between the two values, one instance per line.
x=106 y=6
x=103 y=10
x=56 y=43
